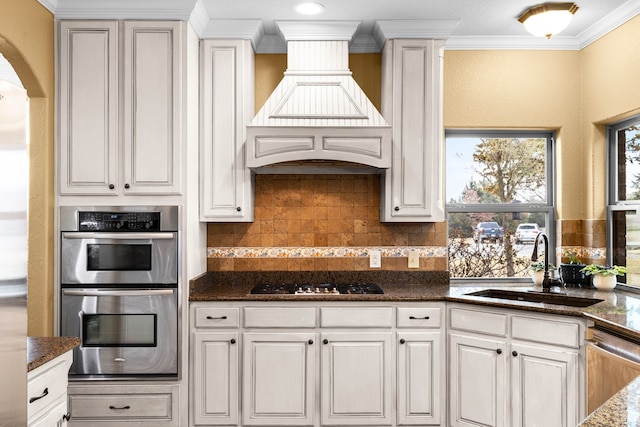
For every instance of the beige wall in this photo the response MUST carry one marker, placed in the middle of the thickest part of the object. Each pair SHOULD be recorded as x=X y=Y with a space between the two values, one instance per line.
x=610 y=92
x=26 y=41
x=521 y=90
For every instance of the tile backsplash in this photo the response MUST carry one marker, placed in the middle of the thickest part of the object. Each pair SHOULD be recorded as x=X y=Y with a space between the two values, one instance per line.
x=321 y=222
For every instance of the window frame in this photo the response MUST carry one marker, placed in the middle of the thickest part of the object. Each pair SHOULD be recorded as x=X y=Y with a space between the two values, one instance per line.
x=548 y=208
x=613 y=204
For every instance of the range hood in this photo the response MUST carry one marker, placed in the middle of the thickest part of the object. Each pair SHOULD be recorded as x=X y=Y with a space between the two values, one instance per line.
x=318 y=112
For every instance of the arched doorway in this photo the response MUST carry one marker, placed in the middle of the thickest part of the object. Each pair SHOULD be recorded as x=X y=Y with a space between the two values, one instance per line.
x=14 y=193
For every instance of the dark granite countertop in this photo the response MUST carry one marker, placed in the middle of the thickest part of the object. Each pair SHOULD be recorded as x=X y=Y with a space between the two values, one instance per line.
x=619 y=311
x=41 y=350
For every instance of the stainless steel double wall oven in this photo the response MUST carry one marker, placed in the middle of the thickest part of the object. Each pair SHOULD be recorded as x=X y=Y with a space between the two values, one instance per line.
x=119 y=290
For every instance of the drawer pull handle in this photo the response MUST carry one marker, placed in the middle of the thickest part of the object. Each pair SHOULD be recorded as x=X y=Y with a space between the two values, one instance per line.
x=115 y=408
x=499 y=351
x=216 y=318
x=66 y=417
x=44 y=394
x=422 y=318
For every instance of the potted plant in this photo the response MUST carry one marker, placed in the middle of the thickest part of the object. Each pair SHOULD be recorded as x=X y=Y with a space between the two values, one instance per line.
x=571 y=273
x=604 y=276
x=536 y=271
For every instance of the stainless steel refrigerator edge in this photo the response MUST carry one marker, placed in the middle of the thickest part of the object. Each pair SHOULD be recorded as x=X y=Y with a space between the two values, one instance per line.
x=14 y=177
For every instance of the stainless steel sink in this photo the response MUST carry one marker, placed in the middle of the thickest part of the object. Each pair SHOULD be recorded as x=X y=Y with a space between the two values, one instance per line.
x=532 y=296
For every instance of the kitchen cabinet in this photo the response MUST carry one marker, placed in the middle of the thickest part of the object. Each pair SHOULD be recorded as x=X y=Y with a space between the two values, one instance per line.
x=47 y=393
x=122 y=404
x=412 y=104
x=278 y=385
x=421 y=385
x=512 y=369
x=120 y=107
x=227 y=99
x=317 y=364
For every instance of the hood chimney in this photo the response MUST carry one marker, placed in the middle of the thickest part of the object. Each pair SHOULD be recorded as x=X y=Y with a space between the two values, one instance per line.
x=318 y=111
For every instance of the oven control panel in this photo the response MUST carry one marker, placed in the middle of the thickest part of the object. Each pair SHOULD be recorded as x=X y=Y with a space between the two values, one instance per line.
x=118 y=221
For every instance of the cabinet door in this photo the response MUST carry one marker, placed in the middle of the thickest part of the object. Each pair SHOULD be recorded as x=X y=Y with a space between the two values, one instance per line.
x=54 y=417
x=412 y=104
x=88 y=110
x=279 y=379
x=545 y=387
x=420 y=378
x=152 y=107
x=357 y=371
x=477 y=382
x=215 y=378
x=227 y=107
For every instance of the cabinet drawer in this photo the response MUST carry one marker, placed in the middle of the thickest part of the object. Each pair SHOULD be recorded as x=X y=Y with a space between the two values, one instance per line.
x=280 y=317
x=217 y=317
x=362 y=317
x=418 y=317
x=130 y=407
x=546 y=331
x=479 y=321
x=47 y=383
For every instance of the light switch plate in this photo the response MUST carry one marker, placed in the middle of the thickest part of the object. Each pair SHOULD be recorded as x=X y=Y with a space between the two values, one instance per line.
x=414 y=259
x=375 y=259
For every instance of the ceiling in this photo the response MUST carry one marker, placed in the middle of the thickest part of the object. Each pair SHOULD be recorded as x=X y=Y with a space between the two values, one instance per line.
x=468 y=24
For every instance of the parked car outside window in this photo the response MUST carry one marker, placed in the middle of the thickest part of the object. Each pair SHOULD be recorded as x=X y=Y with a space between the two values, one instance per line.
x=490 y=231
x=527 y=233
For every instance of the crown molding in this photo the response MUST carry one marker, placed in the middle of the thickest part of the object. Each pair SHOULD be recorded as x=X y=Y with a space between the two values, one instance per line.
x=511 y=43
x=610 y=22
x=317 y=30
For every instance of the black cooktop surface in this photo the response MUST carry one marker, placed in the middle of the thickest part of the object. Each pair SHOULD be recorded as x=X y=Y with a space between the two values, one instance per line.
x=316 y=289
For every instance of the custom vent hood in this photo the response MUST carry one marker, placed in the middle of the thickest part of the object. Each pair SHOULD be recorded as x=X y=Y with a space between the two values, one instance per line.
x=318 y=115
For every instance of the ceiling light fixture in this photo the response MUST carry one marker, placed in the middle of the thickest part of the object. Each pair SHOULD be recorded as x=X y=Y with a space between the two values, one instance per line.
x=547 y=19
x=309 y=8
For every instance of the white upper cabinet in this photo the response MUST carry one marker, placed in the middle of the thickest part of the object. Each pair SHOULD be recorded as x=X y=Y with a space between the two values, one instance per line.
x=412 y=103
x=120 y=109
x=227 y=105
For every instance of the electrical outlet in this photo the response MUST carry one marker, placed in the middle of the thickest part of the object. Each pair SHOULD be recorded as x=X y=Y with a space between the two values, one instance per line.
x=375 y=259
x=414 y=259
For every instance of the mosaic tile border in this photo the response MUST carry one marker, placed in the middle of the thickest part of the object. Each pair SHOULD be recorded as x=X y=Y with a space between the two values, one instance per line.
x=324 y=252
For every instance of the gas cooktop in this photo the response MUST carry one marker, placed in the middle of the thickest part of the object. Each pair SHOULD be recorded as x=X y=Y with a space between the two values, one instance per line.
x=316 y=289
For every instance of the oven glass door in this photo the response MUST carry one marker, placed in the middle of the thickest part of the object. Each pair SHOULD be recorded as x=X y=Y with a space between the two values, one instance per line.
x=134 y=258
x=131 y=332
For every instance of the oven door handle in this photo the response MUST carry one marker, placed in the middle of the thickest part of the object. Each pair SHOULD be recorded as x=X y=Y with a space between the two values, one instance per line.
x=119 y=236
x=117 y=293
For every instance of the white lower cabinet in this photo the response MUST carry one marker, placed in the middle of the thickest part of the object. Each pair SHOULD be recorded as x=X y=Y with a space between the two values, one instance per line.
x=278 y=386
x=317 y=364
x=507 y=368
x=47 y=393
x=124 y=404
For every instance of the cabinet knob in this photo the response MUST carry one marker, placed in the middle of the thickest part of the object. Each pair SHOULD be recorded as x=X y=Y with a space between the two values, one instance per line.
x=310 y=342
x=126 y=186
x=499 y=351
x=111 y=186
x=397 y=208
x=239 y=209
x=402 y=341
x=232 y=340
x=66 y=417
x=325 y=341
x=515 y=353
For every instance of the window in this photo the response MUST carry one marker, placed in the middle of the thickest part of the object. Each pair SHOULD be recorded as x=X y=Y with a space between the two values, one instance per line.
x=623 y=213
x=499 y=193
